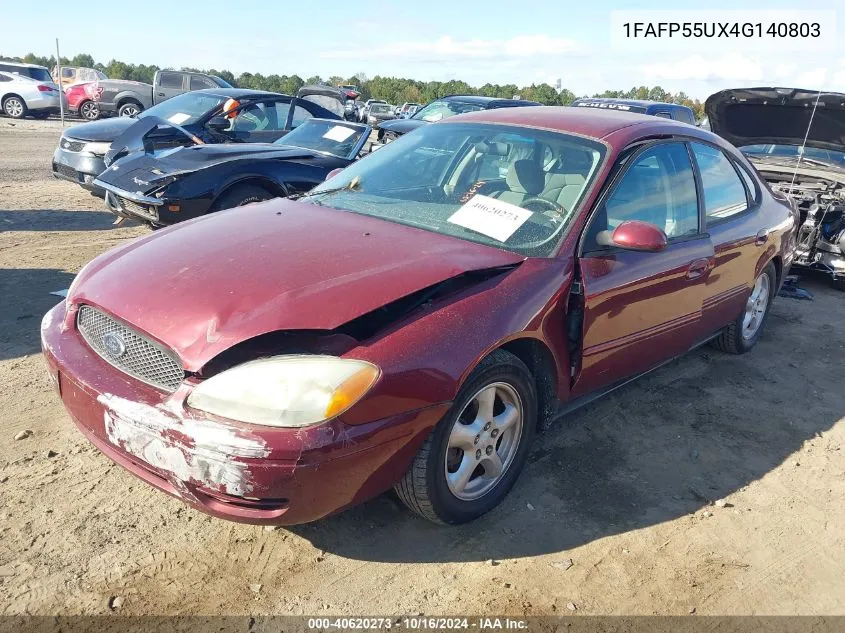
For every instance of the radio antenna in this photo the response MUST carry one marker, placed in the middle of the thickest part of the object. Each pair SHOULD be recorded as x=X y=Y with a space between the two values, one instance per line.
x=804 y=144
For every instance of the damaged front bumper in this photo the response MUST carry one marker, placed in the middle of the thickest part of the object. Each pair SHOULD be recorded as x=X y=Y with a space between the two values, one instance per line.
x=246 y=473
x=129 y=205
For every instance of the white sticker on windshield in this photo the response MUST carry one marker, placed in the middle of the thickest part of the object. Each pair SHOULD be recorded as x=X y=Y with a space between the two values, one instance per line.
x=490 y=217
x=178 y=118
x=339 y=133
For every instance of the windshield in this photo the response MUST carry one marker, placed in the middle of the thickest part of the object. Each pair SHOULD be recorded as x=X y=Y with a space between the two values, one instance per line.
x=186 y=108
x=221 y=82
x=379 y=108
x=508 y=187
x=437 y=110
x=793 y=151
x=328 y=137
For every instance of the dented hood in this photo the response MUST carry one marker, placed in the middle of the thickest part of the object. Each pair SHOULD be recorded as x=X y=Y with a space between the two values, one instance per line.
x=205 y=285
x=752 y=116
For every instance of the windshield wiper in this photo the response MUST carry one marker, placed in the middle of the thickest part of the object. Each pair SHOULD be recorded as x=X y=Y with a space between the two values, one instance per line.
x=352 y=185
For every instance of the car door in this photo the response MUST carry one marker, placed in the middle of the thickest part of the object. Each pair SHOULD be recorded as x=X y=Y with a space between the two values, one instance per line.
x=169 y=85
x=642 y=308
x=730 y=201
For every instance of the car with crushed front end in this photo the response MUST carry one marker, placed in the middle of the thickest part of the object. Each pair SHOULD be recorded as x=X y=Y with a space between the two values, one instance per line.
x=223 y=115
x=409 y=322
x=160 y=188
x=796 y=140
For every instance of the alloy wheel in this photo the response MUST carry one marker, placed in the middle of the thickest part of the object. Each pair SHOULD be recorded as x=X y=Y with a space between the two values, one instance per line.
x=484 y=441
x=13 y=107
x=90 y=110
x=756 y=306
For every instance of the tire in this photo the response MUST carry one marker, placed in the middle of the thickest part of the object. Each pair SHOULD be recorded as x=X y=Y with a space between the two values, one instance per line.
x=239 y=195
x=425 y=489
x=736 y=338
x=89 y=110
x=130 y=108
x=15 y=107
x=839 y=283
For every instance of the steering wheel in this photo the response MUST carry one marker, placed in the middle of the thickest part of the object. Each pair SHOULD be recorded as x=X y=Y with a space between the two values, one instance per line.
x=541 y=204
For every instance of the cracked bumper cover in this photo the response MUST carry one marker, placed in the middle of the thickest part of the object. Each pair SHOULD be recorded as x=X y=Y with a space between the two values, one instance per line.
x=240 y=472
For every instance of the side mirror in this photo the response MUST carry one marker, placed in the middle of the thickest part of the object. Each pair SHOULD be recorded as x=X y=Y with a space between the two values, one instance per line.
x=334 y=172
x=635 y=235
x=218 y=124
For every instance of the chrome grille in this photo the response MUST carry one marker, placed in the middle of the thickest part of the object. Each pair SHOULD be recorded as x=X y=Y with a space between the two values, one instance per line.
x=144 y=211
x=71 y=146
x=129 y=351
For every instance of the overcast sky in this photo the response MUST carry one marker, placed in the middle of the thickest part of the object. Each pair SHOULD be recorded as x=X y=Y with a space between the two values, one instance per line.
x=497 y=41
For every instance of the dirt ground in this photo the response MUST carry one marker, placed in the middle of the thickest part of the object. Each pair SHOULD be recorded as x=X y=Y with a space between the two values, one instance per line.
x=623 y=488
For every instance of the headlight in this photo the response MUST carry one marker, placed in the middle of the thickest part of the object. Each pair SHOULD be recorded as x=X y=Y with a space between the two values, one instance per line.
x=98 y=149
x=286 y=391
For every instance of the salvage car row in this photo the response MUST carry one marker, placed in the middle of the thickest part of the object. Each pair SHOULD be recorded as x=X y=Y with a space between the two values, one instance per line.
x=410 y=319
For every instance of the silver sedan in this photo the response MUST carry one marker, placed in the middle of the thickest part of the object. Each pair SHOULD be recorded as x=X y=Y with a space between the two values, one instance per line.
x=21 y=96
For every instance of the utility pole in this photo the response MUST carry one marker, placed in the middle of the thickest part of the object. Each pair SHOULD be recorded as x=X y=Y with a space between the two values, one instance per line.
x=59 y=82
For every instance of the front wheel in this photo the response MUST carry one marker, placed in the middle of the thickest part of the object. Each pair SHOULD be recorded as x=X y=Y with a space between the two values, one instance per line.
x=14 y=107
x=742 y=335
x=239 y=196
x=471 y=460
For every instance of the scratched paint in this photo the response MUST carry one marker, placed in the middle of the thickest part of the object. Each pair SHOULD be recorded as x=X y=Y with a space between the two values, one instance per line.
x=209 y=455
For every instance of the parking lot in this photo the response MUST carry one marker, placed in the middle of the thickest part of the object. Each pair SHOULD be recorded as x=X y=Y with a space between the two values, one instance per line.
x=616 y=512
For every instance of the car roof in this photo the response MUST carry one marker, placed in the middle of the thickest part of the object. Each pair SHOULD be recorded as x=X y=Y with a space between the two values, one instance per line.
x=481 y=100
x=239 y=93
x=584 y=121
x=21 y=64
x=642 y=103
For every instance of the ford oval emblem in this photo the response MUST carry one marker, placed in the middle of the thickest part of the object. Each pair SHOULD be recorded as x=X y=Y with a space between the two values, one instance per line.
x=114 y=344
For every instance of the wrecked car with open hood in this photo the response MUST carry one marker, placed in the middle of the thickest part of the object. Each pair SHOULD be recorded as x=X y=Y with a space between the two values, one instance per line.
x=796 y=140
x=409 y=322
x=160 y=188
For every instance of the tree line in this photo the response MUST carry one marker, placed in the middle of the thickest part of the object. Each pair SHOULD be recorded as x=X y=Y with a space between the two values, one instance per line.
x=392 y=89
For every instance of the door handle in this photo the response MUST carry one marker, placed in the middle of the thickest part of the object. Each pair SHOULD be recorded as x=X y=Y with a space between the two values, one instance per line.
x=762 y=237
x=698 y=268
x=160 y=94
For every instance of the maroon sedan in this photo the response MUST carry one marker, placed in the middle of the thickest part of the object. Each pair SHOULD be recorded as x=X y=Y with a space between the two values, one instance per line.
x=409 y=321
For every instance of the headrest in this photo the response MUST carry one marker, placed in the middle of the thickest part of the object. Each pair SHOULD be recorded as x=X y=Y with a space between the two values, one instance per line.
x=496 y=149
x=576 y=159
x=526 y=176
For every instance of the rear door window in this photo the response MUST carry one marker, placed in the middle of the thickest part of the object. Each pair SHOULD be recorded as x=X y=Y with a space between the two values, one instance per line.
x=201 y=82
x=724 y=192
x=170 y=80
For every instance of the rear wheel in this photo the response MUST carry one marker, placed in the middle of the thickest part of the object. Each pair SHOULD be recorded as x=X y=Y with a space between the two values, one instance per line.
x=89 y=111
x=472 y=458
x=240 y=195
x=14 y=107
x=742 y=335
x=839 y=283
x=130 y=108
